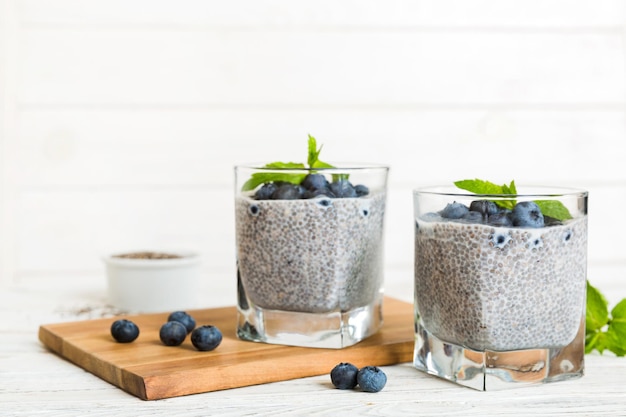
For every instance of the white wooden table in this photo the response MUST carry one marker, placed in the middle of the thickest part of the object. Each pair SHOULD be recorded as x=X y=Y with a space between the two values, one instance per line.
x=34 y=381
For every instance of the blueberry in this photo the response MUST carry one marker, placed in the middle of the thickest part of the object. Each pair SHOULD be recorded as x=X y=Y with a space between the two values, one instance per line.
x=206 y=337
x=361 y=190
x=343 y=189
x=286 y=191
x=343 y=375
x=124 y=331
x=473 y=217
x=173 y=333
x=501 y=218
x=527 y=214
x=484 y=207
x=454 y=211
x=184 y=319
x=315 y=182
x=266 y=191
x=371 y=379
x=324 y=192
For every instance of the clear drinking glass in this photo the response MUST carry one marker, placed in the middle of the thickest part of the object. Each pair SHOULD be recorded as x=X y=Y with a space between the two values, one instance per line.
x=310 y=257
x=499 y=295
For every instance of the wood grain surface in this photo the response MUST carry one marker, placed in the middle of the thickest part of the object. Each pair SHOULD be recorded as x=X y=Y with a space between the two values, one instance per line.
x=150 y=370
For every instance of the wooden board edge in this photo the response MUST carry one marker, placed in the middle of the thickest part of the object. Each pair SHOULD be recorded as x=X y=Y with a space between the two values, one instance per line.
x=267 y=370
x=120 y=378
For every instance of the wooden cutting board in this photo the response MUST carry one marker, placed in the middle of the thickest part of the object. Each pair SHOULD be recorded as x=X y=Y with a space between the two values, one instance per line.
x=150 y=370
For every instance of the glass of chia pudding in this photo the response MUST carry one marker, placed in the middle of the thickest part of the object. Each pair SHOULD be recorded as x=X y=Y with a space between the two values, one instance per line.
x=310 y=254
x=500 y=285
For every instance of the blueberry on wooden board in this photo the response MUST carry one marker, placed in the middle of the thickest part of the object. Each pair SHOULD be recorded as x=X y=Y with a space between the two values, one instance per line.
x=183 y=318
x=124 y=331
x=172 y=333
x=206 y=337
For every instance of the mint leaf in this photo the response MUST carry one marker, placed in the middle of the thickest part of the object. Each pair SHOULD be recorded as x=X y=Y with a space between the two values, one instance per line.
x=262 y=177
x=285 y=165
x=313 y=161
x=619 y=311
x=477 y=186
x=617 y=328
x=553 y=208
x=597 y=318
x=510 y=189
x=617 y=338
x=599 y=341
x=314 y=154
x=597 y=315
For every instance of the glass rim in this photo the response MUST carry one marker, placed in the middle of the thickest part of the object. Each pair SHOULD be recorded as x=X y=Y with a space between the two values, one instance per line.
x=337 y=167
x=533 y=191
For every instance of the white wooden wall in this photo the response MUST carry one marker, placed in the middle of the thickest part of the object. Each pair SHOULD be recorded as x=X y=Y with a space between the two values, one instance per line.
x=122 y=119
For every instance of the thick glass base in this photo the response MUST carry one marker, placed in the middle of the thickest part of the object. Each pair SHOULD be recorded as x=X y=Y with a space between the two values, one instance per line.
x=319 y=330
x=491 y=370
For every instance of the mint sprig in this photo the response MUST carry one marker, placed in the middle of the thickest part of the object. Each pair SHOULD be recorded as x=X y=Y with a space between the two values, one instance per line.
x=259 y=178
x=313 y=161
x=604 y=330
x=314 y=155
x=477 y=186
x=551 y=208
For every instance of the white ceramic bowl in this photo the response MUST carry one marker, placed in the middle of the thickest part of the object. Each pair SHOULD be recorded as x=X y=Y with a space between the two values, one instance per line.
x=153 y=285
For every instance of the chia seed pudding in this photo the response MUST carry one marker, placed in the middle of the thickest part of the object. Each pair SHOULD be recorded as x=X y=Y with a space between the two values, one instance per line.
x=311 y=255
x=500 y=288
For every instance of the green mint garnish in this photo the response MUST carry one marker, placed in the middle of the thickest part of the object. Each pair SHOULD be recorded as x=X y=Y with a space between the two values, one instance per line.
x=554 y=209
x=263 y=177
x=550 y=208
x=313 y=161
x=604 y=330
x=477 y=186
x=314 y=154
